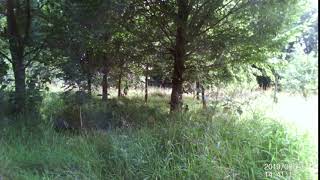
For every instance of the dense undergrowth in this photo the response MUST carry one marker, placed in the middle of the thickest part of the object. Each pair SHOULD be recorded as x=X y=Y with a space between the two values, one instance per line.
x=132 y=140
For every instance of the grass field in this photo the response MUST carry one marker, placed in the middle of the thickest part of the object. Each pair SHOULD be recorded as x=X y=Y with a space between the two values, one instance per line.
x=144 y=141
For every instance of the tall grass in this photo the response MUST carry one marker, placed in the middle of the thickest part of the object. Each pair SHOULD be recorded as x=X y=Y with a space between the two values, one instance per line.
x=193 y=145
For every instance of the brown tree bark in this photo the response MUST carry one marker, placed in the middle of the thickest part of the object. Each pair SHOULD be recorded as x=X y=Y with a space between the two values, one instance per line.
x=146 y=84
x=89 y=83
x=179 y=54
x=105 y=85
x=20 y=83
x=119 y=83
x=197 y=90
x=17 y=42
x=126 y=88
x=276 y=83
x=88 y=70
x=203 y=97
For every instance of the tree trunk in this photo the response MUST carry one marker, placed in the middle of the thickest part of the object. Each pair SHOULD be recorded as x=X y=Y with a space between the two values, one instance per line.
x=275 y=99
x=198 y=90
x=126 y=88
x=177 y=82
x=119 y=83
x=203 y=97
x=179 y=53
x=162 y=83
x=105 y=86
x=275 y=75
x=89 y=84
x=20 y=83
x=88 y=70
x=17 y=39
x=146 y=85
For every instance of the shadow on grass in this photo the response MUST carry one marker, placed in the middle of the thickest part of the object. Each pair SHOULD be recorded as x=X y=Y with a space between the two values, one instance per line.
x=114 y=113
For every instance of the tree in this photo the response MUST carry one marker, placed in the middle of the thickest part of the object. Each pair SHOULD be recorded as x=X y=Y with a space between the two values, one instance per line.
x=300 y=74
x=24 y=41
x=190 y=25
x=296 y=67
x=18 y=32
x=82 y=40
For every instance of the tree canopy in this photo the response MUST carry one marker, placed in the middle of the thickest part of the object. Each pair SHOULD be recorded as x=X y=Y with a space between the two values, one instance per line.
x=106 y=43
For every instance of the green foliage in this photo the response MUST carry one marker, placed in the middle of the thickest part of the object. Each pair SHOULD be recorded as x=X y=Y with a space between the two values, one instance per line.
x=3 y=72
x=222 y=38
x=301 y=75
